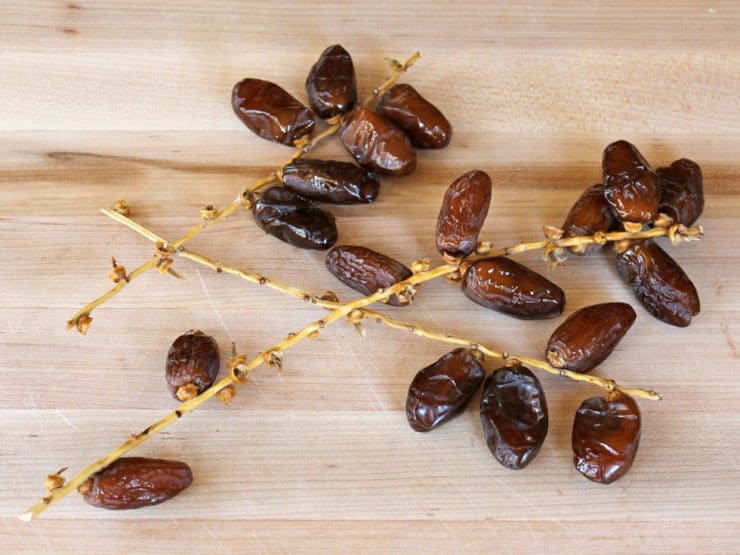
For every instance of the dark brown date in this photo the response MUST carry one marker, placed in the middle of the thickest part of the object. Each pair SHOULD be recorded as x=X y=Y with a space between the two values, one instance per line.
x=589 y=335
x=192 y=361
x=420 y=119
x=513 y=410
x=134 y=482
x=590 y=213
x=376 y=144
x=464 y=209
x=270 y=112
x=295 y=220
x=443 y=389
x=630 y=185
x=331 y=83
x=606 y=434
x=507 y=286
x=331 y=181
x=659 y=283
x=681 y=191
x=366 y=270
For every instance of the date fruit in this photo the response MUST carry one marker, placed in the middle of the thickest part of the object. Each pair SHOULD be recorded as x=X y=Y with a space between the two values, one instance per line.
x=422 y=122
x=295 y=220
x=331 y=181
x=630 y=184
x=513 y=411
x=590 y=213
x=606 y=434
x=270 y=112
x=659 y=283
x=366 y=270
x=681 y=191
x=134 y=482
x=506 y=286
x=376 y=144
x=588 y=336
x=464 y=209
x=330 y=84
x=192 y=364
x=443 y=389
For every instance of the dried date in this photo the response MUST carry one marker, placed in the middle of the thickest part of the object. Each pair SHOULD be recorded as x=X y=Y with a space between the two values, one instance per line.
x=192 y=364
x=590 y=214
x=630 y=184
x=330 y=84
x=422 y=122
x=331 y=181
x=681 y=191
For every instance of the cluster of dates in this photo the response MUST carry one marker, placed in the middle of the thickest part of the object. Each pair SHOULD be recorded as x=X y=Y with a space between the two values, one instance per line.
x=381 y=141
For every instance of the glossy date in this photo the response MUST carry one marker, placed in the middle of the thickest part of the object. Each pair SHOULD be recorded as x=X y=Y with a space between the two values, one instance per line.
x=192 y=364
x=331 y=181
x=630 y=184
x=681 y=191
x=330 y=84
x=590 y=213
x=422 y=122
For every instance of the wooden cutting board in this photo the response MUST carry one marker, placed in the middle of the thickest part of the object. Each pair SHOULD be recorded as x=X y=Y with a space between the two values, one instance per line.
x=107 y=100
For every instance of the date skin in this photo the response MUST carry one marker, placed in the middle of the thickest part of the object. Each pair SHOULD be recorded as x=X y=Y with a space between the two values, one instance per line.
x=376 y=144
x=464 y=209
x=295 y=220
x=422 y=122
x=134 y=482
x=442 y=390
x=330 y=84
x=630 y=184
x=606 y=434
x=331 y=181
x=513 y=411
x=681 y=191
x=506 y=286
x=659 y=283
x=193 y=359
x=590 y=213
x=270 y=112
x=588 y=336
x=366 y=270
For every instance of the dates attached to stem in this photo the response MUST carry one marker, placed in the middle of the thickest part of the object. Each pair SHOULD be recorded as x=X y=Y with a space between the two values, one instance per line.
x=192 y=364
x=630 y=184
x=422 y=122
x=590 y=213
x=681 y=191
x=331 y=181
x=330 y=84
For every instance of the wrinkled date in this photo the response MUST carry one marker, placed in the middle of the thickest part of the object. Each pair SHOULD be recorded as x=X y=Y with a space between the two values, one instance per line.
x=295 y=220
x=366 y=270
x=443 y=389
x=464 y=209
x=270 y=112
x=376 y=144
x=659 y=283
x=589 y=335
x=330 y=84
x=331 y=181
x=134 y=482
x=513 y=410
x=606 y=434
x=192 y=364
x=420 y=119
x=507 y=286
x=630 y=185
x=681 y=191
x=590 y=213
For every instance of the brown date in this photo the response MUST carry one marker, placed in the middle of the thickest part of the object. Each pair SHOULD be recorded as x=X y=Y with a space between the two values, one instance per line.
x=659 y=283
x=588 y=336
x=590 y=213
x=134 y=482
x=681 y=191
x=270 y=112
x=295 y=220
x=513 y=411
x=331 y=83
x=606 y=434
x=443 y=389
x=331 y=181
x=376 y=144
x=366 y=270
x=420 y=119
x=630 y=184
x=507 y=286
x=464 y=209
x=192 y=364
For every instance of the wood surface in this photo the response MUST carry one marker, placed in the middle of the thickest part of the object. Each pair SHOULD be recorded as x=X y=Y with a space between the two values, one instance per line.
x=130 y=99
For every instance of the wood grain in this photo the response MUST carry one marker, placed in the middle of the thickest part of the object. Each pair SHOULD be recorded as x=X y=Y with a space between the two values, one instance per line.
x=107 y=100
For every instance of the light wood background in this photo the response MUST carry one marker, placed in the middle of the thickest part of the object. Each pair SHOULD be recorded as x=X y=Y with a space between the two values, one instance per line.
x=130 y=99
